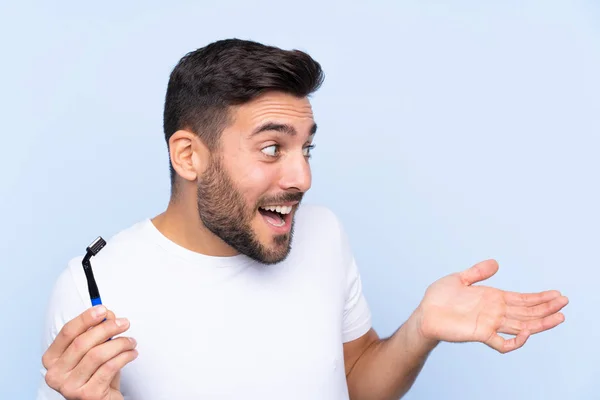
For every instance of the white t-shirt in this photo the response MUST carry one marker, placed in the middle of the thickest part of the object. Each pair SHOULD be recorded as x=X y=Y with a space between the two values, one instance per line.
x=225 y=327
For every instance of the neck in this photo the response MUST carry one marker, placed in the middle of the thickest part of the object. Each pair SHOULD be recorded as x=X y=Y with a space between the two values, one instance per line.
x=181 y=224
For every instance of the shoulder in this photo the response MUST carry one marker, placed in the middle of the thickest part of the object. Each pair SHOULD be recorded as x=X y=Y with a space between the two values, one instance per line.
x=319 y=225
x=69 y=296
x=123 y=249
x=130 y=240
x=320 y=229
x=319 y=217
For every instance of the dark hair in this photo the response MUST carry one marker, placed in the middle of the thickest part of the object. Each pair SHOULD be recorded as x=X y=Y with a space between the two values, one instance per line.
x=207 y=81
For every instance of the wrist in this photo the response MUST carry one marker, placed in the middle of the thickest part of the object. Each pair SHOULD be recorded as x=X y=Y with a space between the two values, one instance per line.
x=417 y=327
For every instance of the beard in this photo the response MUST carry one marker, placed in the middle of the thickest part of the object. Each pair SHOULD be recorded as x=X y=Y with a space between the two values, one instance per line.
x=224 y=212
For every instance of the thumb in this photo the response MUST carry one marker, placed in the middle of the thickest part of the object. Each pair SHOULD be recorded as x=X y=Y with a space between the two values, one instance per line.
x=479 y=272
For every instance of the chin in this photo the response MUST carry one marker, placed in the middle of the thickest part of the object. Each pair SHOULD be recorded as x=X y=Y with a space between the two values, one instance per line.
x=273 y=248
x=276 y=249
x=273 y=243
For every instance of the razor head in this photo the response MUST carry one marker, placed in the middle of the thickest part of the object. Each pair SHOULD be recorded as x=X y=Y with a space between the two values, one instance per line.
x=96 y=246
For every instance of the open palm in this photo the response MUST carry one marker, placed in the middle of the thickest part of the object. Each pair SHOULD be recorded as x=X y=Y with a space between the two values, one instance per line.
x=453 y=310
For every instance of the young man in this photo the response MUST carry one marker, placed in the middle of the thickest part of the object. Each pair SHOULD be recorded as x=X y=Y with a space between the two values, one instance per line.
x=215 y=298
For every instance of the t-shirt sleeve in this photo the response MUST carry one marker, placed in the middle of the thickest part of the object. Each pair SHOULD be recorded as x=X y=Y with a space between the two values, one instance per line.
x=65 y=303
x=357 y=314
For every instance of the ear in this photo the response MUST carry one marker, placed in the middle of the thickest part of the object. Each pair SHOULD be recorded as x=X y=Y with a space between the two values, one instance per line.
x=188 y=154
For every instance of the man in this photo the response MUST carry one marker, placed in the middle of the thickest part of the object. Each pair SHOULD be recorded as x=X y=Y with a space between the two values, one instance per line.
x=217 y=301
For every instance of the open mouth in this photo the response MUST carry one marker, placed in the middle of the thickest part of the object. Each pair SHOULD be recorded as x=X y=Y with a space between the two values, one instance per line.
x=277 y=216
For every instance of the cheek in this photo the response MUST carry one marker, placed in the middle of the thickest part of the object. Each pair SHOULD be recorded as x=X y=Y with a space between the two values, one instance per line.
x=255 y=180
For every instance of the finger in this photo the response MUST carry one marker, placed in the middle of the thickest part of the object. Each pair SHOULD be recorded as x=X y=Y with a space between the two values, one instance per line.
x=97 y=356
x=502 y=345
x=109 y=316
x=86 y=341
x=479 y=272
x=530 y=299
x=539 y=311
x=70 y=331
x=116 y=382
x=513 y=327
x=105 y=375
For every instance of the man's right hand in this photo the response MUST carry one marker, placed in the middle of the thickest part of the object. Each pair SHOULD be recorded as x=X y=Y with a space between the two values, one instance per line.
x=82 y=364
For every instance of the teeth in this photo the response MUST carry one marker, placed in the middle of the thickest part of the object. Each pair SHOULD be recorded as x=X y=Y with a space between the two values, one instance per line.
x=279 y=209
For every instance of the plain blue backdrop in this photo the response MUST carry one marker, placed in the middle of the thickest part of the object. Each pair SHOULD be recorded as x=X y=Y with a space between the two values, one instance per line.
x=449 y=132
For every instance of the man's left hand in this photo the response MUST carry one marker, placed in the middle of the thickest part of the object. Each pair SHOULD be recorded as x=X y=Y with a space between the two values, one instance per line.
x=454 y=310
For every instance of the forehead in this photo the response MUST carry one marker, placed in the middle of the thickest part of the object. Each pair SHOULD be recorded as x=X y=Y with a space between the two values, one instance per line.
x=275 y=107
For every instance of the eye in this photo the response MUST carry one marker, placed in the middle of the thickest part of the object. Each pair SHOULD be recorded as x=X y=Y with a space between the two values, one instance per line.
x=307 y=150
x=271 y=151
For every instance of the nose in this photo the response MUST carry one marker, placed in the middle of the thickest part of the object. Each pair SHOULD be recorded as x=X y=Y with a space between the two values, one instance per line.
x=295 y=173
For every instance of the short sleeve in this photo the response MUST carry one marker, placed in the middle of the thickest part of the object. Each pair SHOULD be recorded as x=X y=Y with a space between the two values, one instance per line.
x=65 y=303
x=357 y=315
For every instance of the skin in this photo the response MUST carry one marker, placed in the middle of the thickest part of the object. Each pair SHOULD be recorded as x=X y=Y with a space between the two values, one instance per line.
x=82 y=364
x=453 y=309
x=251 y=169
x=270 y=167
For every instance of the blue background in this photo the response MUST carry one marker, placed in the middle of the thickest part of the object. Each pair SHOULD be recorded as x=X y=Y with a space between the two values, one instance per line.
x=449 y=132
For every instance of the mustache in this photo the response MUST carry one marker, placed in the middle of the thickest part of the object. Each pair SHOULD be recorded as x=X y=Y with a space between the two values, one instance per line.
x=283 y=198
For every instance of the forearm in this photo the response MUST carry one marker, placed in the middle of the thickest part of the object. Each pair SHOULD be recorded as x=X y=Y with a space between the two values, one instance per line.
x=389 y=367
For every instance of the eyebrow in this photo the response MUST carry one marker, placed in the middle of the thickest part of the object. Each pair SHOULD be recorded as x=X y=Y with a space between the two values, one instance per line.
x=283 y=128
